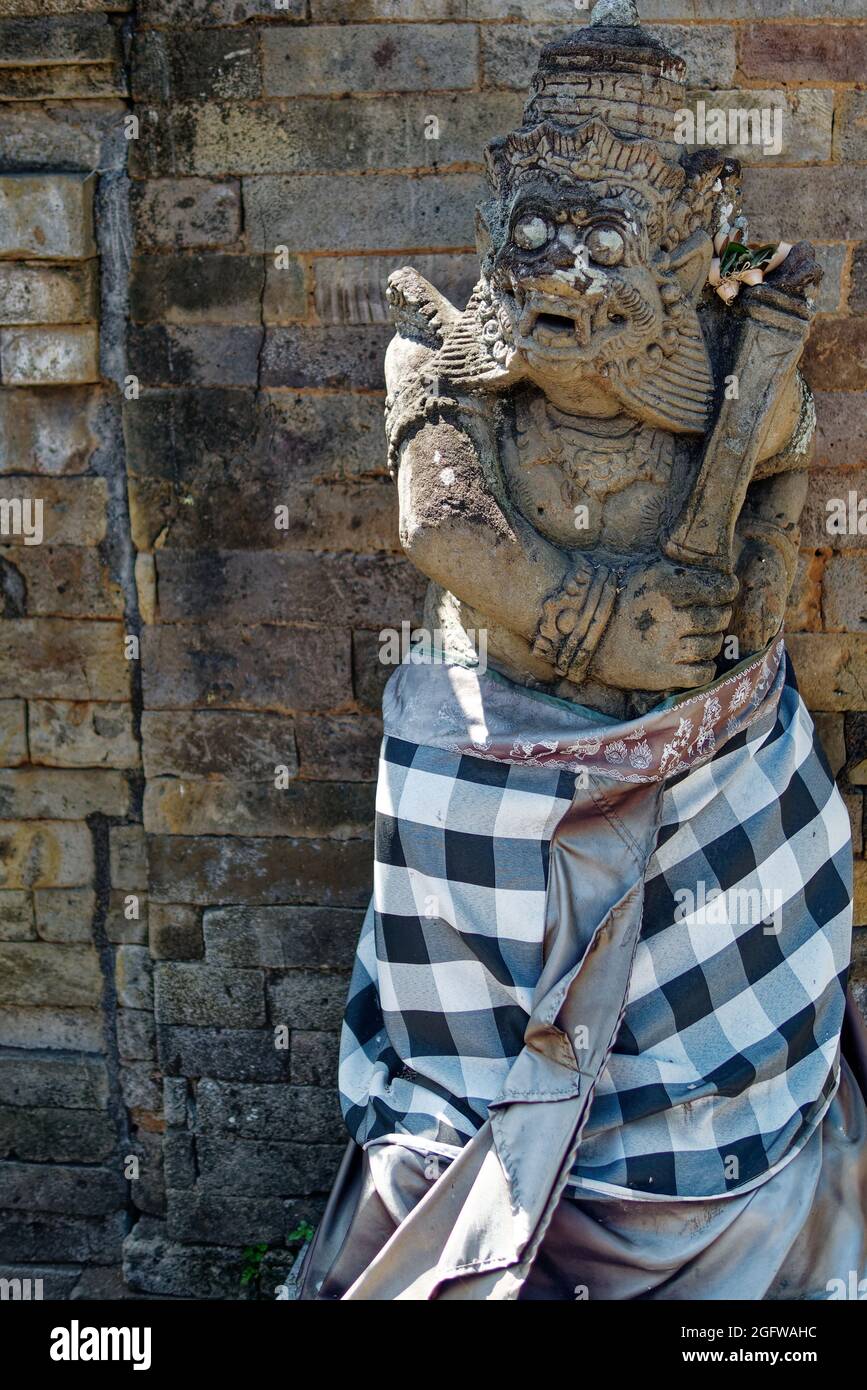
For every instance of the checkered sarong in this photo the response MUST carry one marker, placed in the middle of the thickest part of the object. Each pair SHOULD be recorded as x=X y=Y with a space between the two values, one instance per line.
x=727 y=1055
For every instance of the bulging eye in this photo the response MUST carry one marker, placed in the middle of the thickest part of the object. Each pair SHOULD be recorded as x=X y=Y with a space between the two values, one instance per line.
x=606 y=245
x=531 y=232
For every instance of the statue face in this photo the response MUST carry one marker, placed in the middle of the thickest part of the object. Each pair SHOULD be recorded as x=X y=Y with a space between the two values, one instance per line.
x=574 y=274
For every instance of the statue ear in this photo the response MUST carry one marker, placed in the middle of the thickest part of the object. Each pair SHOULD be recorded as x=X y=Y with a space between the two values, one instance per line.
x=690 y=263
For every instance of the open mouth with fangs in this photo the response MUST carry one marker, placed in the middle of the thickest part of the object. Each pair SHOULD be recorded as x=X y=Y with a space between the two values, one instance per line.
x=567 y=327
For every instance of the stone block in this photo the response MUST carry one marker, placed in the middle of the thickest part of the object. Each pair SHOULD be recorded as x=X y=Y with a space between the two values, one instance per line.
x=73 y=1082
x=50 y=429
x=831 y=668
x=201 y=354
x=830 y=205
x=229 y=869
x=13 y=733
x=186 y=213
x=340 y=358
x=208 y=996
x=376 y=212
x=63 y=581
x=136 y=1035
x=269 y=1169
x=510 y=52
x=369 y=58
x=56 y=135
x=249 y=668
x=286 y=297
x=64 y=914
x=52 y=1135
x=308 y=999
x=52 y=1030
x=55 y=794
x=49 y=356
x=72 y=511
x=845 y=593
x=303 y=1113
x=196 y=1217
x=175 y=933
x=47 y=216
x=68 y=733
x=351 y=289
x=310 y=809
x=841 y=436
x=45 y=854
x=221 y=743
x=836 y=354
x=337 y=747
x=134 y=977
x=68 y=1189
x=154 y=1264
x=231 y=1054
x=31 y=293
x=128 y=857
x=314 y=1058
x=43 y=974
x=194 y=64
x=281 y=937
x=38 y=1236
x=799 y=53
x=197 y=289
x=16 y=916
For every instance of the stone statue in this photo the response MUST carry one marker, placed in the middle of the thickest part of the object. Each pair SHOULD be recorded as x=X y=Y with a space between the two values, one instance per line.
x=598 y=461
x=603 y=969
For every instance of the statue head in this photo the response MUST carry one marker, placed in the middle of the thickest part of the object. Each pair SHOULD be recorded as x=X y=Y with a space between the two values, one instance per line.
x=598 y=236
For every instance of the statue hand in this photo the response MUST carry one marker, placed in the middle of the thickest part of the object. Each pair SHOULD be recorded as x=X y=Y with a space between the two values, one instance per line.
x=761 y=602
x=666 y=629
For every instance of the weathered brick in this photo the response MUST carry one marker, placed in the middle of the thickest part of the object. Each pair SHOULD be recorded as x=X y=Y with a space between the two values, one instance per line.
x=799 y=53
x=858 y=289
x=849 y=124
x=830 y=730
x=215 y=12
x=830 y=205
x=63 y=135
x=64 y=914
x=44 y=854
x=128 y=857
x=47 y=216
x=231 y=1054
x=267 y=1168
x=225 y=743
x=47 y=1030
x=194 y=65
x=250 y=586
x=64 y=581
x=829 y=296
x=279 y=137
x=16 y=916
x=204 y=354
x=126 y=922
x=208 y=996
x=308 y=999
x=13 y=733
x=860 y=902
x=62 y=82
x=141 y=1090
x=248 y=668
x=65 y=733
x=305 y=809
x=55 y=1281
x=836 y=355
x=314 y=1058
x=73 y=509
x=40 y=1236
x=133 y=977
x=339 y=748
x=136 y=1034
x=58 y=356
x=845 y=593
x=510 y=52
x=807 y=118
x=351 y=289
x=45 y=1135
x=76 y=1082
x=55 y=794
x=378 y=212
x=362 y=58
x=268 y=1112
x=281 y=936
x=44 y=974
x=196 y=1217
x=175 y=933
x=287 y=295
x=186 y=212
x=337 y=358
x=69 y=1189
x=228 y=869
x=49 y=430
x=841 y=436
x=369 y=673
x=155 y=1265
x=31 y=293
x=74 y=38
x=831 y=668
x=197 y=289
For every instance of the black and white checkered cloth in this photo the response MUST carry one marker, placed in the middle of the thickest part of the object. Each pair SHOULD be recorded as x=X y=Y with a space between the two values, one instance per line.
x=727 y=1056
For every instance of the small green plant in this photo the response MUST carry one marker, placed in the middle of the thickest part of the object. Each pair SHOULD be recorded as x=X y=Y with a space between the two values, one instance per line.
x=251 y=1267
x=302 y=1233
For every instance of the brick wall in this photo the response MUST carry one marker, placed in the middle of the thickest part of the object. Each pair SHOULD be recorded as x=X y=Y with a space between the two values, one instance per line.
x=211 y=464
